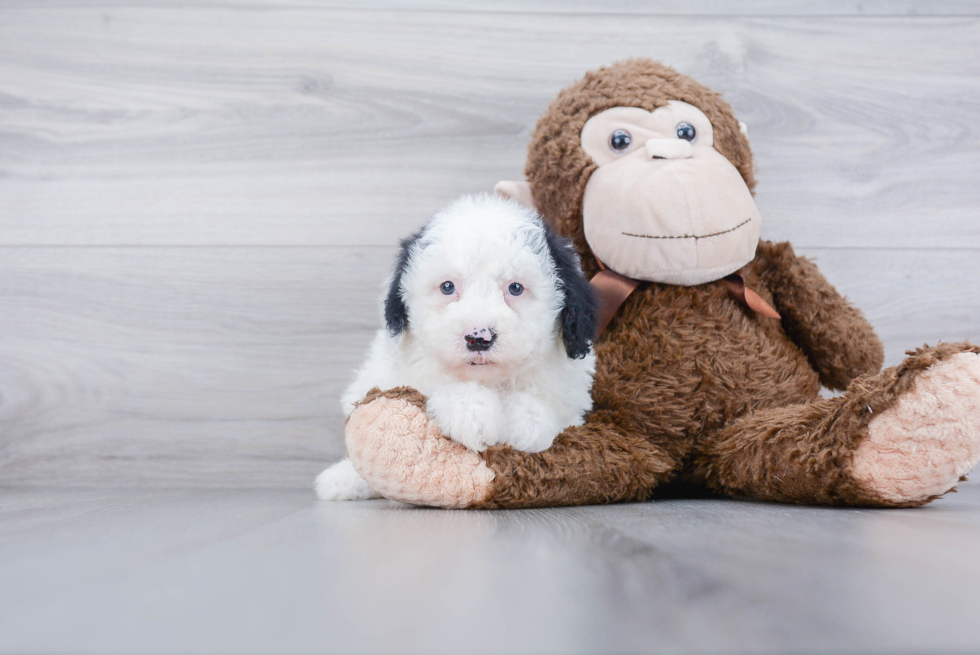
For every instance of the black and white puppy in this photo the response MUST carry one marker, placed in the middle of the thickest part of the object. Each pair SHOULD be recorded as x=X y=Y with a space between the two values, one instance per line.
x=489 y=316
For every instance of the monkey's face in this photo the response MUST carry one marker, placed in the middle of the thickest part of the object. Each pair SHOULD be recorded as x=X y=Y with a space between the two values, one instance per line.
x=663 y=204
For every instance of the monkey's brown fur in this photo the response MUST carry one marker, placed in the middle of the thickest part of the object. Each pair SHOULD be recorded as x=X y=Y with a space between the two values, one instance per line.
x=679 y=368
x=691 y=386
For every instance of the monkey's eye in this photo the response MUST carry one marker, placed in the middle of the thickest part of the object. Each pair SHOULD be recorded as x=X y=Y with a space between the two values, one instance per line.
x=620 y=140
x=516 y=288
x=686 y=131
x=447 y=288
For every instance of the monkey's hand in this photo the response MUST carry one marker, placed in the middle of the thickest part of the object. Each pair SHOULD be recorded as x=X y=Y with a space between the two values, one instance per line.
x=402 y=454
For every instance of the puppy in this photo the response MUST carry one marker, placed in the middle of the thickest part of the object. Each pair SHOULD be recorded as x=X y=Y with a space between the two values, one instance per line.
x=489 y=316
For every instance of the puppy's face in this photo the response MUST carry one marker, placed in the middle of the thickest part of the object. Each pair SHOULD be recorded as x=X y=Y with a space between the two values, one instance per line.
x=483 y=290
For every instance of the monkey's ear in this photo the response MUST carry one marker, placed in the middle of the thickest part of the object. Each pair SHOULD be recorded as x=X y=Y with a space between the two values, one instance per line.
x=396 y=313
x=519 y=191
x=579 y=318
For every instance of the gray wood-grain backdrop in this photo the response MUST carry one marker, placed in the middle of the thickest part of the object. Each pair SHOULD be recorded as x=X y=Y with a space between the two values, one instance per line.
x=198 y=202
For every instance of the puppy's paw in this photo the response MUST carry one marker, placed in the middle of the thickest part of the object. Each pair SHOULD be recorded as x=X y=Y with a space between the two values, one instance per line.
x=468 y=413
x=530 y=426
x=342 y=482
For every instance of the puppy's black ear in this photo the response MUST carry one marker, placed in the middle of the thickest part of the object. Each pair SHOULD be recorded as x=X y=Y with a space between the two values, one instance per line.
x=579 y=317
x=396 y=313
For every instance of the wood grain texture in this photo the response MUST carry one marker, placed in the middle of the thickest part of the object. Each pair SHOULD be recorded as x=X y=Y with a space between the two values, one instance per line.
x=222 y=366
x=276 y=571
x=651 y=7
x=257 y=124
x=198 y=203
x=179 y=365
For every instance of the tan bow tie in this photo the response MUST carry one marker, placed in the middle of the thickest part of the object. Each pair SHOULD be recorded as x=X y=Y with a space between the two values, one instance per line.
x=612 y=290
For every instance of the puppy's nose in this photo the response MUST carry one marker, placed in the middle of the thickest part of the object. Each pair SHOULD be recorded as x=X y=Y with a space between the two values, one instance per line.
x=479 y=339
x=669 y=149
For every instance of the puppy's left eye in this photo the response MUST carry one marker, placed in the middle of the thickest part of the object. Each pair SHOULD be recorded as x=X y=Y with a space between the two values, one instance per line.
x=516 y=288
x=447 y=288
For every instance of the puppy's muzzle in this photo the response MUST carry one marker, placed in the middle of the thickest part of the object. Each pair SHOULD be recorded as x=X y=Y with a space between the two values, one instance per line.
x=479 y=339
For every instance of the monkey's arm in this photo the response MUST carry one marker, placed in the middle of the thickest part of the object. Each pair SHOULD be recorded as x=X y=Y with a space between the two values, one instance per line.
x=403 y=454
x=587 y=464
x=836 y=338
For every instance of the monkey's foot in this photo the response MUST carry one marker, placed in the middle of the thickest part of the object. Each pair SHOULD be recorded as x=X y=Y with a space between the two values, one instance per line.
x=403 y=455
x=919 y=448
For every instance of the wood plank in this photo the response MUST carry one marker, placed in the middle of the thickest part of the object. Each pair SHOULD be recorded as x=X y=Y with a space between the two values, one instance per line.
x=219 y=367
x=911 y=297
x=165 y=571
x=259 y=124
x=187 y=362
x=633 y=7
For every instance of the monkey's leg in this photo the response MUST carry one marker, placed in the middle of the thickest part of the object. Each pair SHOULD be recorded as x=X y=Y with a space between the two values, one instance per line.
x=402 y=455
x=897 y=439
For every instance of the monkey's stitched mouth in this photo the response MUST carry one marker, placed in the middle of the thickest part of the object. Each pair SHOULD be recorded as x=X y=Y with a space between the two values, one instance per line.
x=692 y=236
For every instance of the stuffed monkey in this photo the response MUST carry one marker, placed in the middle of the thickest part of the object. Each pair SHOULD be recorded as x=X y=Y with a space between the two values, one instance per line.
x=717 y=343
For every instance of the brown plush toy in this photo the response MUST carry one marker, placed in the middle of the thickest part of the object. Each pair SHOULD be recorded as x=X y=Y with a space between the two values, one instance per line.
x=698 y=380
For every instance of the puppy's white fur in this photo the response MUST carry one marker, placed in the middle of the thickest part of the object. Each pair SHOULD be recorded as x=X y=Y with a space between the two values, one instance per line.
x=525 y=389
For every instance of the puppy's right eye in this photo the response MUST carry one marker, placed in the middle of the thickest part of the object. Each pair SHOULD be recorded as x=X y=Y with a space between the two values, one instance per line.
x=447 y=288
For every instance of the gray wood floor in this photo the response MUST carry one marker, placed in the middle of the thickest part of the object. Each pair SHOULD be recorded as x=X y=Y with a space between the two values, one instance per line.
x=198 y=204
x=275 y=571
